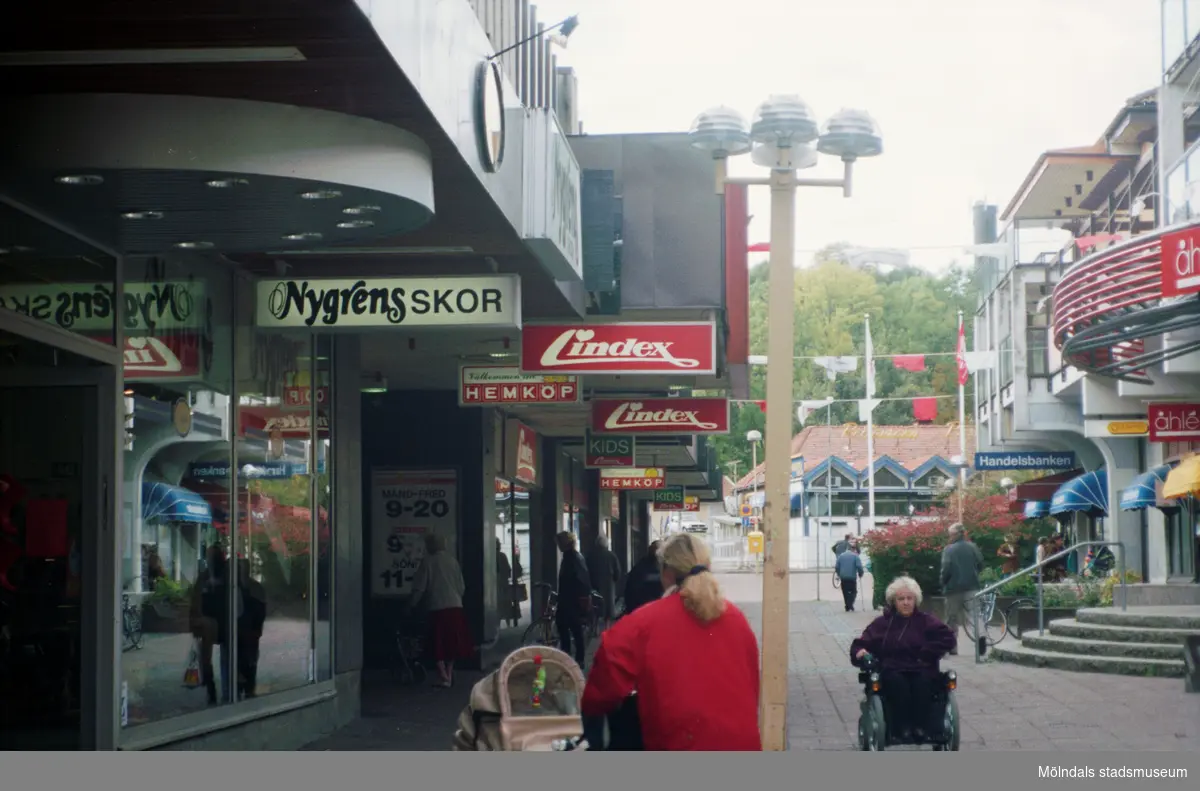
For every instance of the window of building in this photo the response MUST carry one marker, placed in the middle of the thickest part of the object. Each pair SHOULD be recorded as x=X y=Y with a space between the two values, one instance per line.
x=227 y=532
x=1178 y=208
x=886 y=478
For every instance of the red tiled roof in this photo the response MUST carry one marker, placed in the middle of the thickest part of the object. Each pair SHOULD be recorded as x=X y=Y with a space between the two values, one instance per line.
x=849 y=444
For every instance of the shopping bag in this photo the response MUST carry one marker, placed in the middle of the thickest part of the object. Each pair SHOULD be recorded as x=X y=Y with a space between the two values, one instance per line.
x=191 y=676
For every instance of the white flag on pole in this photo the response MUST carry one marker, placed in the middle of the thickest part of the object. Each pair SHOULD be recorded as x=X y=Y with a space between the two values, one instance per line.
x=837 y=365
x=866 y=407
x=806 y=408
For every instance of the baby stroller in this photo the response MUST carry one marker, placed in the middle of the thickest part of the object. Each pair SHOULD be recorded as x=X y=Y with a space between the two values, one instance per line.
x=500 y=716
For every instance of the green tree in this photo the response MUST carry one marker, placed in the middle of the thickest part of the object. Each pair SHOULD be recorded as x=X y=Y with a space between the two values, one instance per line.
x=912 y=312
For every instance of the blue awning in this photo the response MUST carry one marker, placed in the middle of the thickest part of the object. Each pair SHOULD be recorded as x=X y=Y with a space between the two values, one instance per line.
x=1143 y=492
x=1036 y=509
x=168 y=503
x=797 y=501
x=1087 y=493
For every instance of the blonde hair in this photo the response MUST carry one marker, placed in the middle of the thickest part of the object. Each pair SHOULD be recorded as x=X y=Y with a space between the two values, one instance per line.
x=688 y=558
x=566 y=540
x=901 y=584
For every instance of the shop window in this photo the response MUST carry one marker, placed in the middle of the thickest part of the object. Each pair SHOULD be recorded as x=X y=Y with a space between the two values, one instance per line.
x=1177 y=209
x=511 y=526
x=283 y=441
x=66 y=283
x=178 y=377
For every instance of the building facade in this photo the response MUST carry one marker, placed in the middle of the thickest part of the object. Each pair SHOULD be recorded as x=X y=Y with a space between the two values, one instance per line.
x=1091 y=334
x=266 y=308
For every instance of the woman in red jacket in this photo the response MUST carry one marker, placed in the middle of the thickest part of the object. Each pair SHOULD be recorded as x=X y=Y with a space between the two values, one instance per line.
x=691 y=657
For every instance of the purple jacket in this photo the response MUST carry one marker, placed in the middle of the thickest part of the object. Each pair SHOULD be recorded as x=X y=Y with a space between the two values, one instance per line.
x=915 y=643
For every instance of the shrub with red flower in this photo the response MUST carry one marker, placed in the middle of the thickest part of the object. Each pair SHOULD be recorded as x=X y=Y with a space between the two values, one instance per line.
x=914 y=546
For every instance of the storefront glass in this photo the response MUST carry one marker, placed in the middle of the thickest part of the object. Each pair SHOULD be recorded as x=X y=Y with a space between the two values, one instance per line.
x=229 y=575
x=178 y=382
x=511 y=525
x=68 y=284
x=284 y=474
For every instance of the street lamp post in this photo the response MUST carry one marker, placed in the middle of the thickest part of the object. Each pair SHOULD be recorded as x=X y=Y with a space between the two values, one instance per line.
x=858 y=511
x=784 y=130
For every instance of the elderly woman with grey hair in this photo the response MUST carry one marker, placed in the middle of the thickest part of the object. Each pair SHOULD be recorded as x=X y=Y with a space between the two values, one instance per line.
x=439 y=584
x=909 y=643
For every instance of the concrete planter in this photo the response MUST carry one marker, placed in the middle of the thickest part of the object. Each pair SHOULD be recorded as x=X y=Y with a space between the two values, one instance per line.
x=1027 y=618
x=164 y=617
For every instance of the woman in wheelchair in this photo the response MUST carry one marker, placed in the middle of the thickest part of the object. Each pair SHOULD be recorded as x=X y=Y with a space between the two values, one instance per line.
x=908 y=644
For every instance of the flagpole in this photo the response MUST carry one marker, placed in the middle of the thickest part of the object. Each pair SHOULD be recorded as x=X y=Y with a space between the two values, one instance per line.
x=870 y=353
x=962 y=412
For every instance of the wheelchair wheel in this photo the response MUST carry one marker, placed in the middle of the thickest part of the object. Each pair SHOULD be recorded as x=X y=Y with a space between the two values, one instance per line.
x=872 y=728
x=951 y=729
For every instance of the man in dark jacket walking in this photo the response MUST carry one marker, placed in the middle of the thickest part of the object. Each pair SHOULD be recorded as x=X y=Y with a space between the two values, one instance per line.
x=644 y=583
x=961 y=564
x=849 y=569
x=574 y=597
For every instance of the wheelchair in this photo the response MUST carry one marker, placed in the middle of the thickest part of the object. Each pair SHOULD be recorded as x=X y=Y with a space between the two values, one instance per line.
x=873 y=731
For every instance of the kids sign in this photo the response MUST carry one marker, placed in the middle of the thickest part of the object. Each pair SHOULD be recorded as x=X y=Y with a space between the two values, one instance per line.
x=1174 y=422
x=607 y=450
x=1180 y=258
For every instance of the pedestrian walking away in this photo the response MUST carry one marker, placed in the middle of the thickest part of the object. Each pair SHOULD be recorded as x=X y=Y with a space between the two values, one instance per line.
x=605 y=572
x=849 y=568
x=574 y=597
x=843 y=545
x=962 y=563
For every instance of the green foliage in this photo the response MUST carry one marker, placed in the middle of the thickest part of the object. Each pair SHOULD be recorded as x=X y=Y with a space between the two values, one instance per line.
x=912 y=312
x=173 y=592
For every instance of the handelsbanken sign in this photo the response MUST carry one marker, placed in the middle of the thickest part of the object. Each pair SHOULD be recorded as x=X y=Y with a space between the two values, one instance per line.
x=1025 y=461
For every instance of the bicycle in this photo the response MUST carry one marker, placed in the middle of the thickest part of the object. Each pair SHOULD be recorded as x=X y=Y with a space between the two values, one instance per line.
x=544 y=630
x=595 y=617
x=993 y=621
x=407 y=665
x=131 y=625
x=1010 y=614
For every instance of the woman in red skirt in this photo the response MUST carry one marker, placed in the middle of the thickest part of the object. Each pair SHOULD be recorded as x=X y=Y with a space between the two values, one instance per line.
x=440 y=578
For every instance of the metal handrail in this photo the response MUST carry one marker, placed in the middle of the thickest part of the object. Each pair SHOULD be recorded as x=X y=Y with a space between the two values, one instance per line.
x=1040 y=586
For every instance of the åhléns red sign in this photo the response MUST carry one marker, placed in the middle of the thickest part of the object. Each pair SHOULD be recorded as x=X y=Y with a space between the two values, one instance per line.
x=1174 y=422
x=661 y=416
x=1180 y=259
x=665 y=348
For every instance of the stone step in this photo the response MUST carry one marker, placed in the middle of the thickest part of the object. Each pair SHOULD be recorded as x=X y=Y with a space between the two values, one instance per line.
x=1146 y=617
x=1115 y=634
x=1113 y=665
x=1087 y=647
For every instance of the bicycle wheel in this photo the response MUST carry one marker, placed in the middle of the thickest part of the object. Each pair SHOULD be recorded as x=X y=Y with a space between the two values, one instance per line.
x=132 y=623
x=994 y=624
x=1011 y=613
x=837 y=583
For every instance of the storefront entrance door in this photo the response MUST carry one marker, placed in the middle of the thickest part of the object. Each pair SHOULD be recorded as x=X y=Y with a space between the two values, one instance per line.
x=1182 y=543
x=58 y=624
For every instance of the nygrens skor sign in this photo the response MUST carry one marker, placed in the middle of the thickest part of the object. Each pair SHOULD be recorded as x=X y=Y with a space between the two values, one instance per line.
x=452 y=301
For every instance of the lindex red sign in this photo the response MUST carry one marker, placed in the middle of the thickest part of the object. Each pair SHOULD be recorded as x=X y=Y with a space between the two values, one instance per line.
x=1174 y=422
x=661 y=416
x=665 y=348
x=1180 y=259
x=608 y=450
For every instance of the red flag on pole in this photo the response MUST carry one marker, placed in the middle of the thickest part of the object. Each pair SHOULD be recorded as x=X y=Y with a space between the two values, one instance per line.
x=963 y=371
x=909 y=362
x=762 y=405
x=924 y=410
x=759 y=247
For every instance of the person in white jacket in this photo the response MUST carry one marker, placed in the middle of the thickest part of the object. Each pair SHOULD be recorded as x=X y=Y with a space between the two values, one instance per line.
x=439 y=585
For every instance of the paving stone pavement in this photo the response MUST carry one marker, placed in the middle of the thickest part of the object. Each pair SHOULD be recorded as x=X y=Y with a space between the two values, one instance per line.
x=1003 y=707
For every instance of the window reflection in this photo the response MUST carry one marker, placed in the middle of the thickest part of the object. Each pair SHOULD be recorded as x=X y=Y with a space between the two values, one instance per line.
x=511 y=526
x=175 y=577
x=283 y=480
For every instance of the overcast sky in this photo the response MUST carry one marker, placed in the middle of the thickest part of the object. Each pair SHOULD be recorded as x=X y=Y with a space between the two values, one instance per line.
x=968 y=92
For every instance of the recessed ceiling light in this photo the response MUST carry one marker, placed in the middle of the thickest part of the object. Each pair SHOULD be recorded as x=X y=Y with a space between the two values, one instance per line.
x=194 y=245
x=321 y=194
x=303 y=237
x=142 y=215
x=501 y=355
x=226 y=183
x=21 y=249
x=362 y=210
x=356 y=224
x=80 y=180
